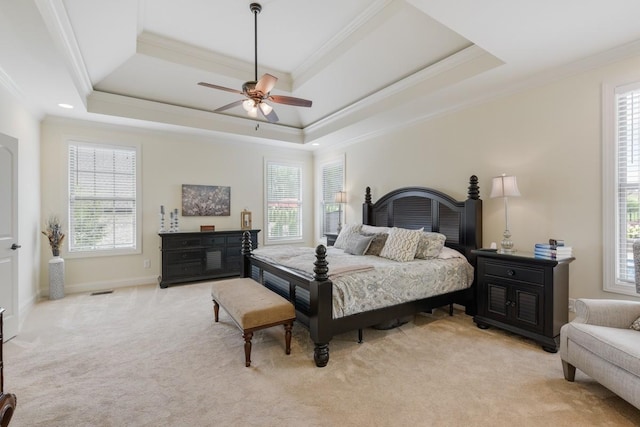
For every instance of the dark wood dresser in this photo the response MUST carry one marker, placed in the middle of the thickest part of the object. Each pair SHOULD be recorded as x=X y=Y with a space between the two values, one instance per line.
x=7 y=400
x=523 y=294
x=194 y=256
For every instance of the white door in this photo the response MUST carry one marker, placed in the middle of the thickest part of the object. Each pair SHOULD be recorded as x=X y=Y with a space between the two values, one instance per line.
x=9 y=233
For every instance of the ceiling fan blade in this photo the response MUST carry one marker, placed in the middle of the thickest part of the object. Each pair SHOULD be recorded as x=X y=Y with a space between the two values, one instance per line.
x=220 y=88
x=266 y=83
x=226 y=107
x=290 y=100
x=272 y=117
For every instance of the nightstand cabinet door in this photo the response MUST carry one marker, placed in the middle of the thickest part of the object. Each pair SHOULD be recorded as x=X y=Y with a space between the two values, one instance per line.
x=523 y=294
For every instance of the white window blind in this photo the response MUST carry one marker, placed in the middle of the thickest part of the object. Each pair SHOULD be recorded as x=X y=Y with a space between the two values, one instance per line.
x=332 y=182
x=103 y=208
x=284 y=201
x=628 y=167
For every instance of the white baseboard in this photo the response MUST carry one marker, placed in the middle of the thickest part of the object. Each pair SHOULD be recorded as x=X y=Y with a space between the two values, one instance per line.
x=105 y=285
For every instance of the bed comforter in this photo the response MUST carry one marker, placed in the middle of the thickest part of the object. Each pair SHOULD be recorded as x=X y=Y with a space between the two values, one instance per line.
x=365 y=283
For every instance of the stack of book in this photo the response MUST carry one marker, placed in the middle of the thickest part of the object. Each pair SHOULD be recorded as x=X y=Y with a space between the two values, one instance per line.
x=555 y=249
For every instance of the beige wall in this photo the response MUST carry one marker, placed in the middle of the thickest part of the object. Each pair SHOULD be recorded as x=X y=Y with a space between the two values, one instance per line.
x=168 y=161
x=17 y=122
x=549 y=137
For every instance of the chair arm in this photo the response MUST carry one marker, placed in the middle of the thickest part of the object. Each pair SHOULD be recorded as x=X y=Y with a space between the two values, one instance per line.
x=607 y=312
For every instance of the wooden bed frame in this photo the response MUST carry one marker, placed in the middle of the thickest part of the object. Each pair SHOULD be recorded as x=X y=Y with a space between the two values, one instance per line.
x=411 y=207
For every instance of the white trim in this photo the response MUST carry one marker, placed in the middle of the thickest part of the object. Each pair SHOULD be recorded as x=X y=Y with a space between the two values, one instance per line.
x=265 y=215
x=137 y=147
x=610 y=283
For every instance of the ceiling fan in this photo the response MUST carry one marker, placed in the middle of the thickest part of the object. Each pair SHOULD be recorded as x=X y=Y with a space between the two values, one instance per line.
x=259 y=91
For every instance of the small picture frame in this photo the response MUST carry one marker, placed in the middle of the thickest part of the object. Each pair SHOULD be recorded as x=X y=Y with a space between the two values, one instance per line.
x=245 y=220
x=207 y=228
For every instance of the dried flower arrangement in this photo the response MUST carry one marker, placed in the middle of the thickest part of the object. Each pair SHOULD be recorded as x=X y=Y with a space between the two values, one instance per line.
x=54 y=233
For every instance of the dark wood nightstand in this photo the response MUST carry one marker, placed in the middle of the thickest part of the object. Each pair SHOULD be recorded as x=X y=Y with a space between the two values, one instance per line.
x=523 y=294
x=331 y=238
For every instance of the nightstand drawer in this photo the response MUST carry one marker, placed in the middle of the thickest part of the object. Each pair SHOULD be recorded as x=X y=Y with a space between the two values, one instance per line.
x=515 y=271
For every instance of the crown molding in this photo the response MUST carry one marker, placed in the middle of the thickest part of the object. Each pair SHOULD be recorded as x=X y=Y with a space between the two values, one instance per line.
x=152 y=111
x=177 y=52
x=55 y=17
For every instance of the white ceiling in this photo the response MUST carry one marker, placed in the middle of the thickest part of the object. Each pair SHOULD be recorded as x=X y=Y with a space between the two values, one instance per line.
x=367 y=65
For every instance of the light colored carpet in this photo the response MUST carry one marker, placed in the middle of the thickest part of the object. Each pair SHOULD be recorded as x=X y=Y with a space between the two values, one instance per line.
x=147 y=356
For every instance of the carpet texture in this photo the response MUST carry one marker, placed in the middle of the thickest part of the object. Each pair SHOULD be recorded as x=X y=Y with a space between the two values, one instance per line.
x=147 y=356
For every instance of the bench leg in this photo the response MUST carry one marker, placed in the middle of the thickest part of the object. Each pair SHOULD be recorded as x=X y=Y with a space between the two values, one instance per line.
x=247 y=347
x=216 y=310
x=287 y=337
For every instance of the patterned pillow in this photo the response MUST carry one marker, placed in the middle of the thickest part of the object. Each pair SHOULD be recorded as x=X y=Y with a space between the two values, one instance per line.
x=636 y=324
x=357 y=244
x=372 y=229
x=401 y=244
x=347 y=231
x=377 y=244
x=430 y=245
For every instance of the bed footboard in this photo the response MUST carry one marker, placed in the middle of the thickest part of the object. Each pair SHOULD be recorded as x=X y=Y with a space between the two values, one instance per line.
x=312 y=299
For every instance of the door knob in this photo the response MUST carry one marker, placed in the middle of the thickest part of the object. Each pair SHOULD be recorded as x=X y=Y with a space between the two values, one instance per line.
x=15 y=246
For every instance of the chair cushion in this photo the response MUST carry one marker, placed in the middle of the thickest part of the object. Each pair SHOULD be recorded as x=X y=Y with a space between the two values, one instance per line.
x=620 y=347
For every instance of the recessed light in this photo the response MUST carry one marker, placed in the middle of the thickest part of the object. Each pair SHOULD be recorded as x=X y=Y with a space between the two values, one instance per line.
x=69 y=106
x=314 y=143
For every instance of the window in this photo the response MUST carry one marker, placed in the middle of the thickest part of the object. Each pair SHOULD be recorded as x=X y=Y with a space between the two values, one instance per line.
x=103 y=202
x=284 y=202
x=332 y=181
x=621 y=168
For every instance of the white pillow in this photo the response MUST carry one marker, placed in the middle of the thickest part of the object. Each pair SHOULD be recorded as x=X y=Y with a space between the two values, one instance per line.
x=401 y=244
x=448 y=253
x=347 y=231
x=430 y=245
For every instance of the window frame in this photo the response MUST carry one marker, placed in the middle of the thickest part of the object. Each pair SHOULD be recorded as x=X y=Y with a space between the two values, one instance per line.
x=137 y=247
x=610 y=189
x=268 y=240
x=320 y=184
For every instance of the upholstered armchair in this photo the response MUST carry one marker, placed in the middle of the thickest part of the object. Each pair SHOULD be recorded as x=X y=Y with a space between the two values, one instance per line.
x=601 y=342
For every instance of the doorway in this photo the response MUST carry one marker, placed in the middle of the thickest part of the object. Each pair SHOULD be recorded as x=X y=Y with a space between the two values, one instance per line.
x=9 y=234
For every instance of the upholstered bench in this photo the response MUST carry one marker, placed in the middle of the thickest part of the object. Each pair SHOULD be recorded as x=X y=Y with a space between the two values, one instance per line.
x=252 y=307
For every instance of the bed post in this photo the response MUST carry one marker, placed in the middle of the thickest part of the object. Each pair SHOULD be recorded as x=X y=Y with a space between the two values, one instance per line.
x=472 y=234
x=367 y=212
x=245 y=251
x=321 y=290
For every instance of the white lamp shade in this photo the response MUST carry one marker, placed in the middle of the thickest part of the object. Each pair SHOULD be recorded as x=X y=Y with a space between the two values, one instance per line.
x=341 y=197
x=504 y=186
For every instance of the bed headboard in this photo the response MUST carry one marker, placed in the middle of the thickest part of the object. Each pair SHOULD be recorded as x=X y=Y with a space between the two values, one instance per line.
x=415 y=207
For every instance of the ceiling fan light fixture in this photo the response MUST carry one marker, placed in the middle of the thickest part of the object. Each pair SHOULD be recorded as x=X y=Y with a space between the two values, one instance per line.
x=248 y=105
x=257 y=91
x=266 y=108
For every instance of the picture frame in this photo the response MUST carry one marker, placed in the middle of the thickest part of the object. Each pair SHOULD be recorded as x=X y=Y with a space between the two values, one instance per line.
x=245 y=220
x=206 y=200
x=207 y=228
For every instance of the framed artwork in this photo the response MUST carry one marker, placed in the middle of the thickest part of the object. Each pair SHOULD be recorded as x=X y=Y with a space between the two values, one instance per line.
x=206 y=200
x=245 y=220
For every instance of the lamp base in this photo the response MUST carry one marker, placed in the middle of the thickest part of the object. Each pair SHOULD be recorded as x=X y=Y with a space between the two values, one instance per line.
x=506 y=245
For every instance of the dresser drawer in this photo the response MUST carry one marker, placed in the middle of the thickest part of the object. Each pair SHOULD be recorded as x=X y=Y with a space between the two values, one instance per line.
x=181 y=257
x=184 y=270
x=181 y=242
x=214 y=241
x=514 y=271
